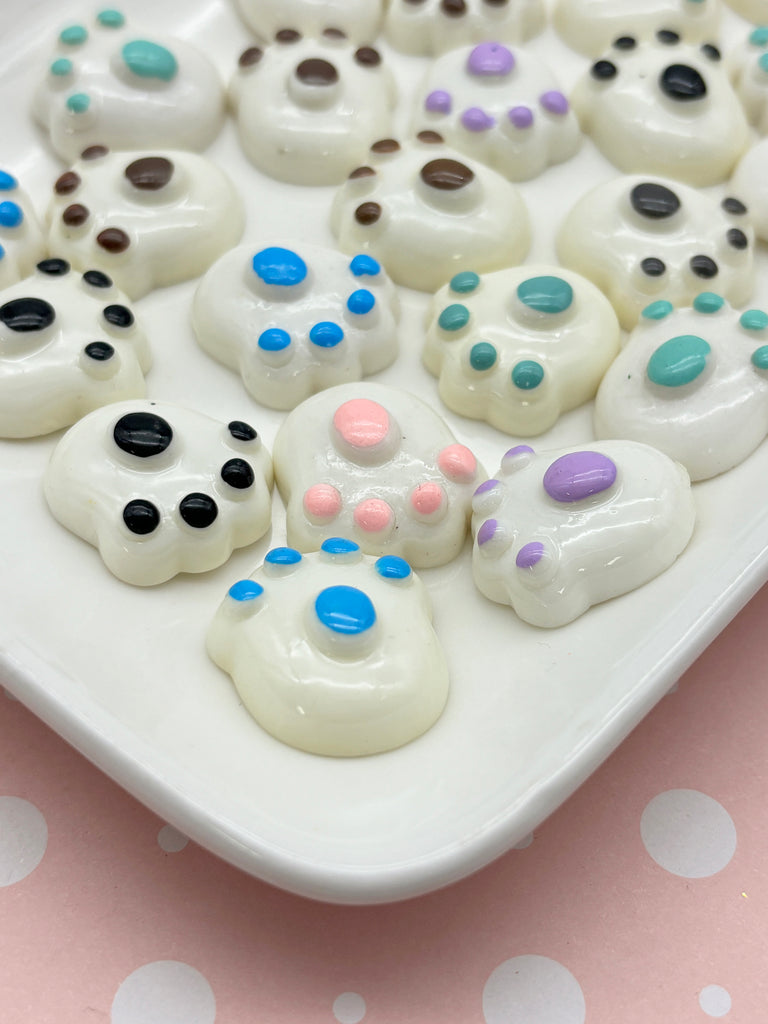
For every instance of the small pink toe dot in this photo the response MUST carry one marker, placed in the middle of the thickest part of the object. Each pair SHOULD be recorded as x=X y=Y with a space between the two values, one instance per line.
x=427 y=498
x=322 y=501
x=373 y=515
x=457 y=463
x=361 y=422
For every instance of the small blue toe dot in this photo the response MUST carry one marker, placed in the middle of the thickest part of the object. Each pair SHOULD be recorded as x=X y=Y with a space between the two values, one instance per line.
x=393 y=568
x=326 y=334
x=274 y=339
x=245 y=590
x=362 y=301
x=279 y=266
x=11 y=214
x=7 y=182
x=364 y=266
x=283 y=556
x=345 y=610
x=339 y=546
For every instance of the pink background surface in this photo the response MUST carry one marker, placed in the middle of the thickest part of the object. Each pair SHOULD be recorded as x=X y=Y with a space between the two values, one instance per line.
x=642 y=900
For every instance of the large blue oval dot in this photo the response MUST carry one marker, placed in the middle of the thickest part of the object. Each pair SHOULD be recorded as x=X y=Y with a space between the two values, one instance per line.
x=465 y=282
x=754 y=320
x=149 y=60
x=545 y=294
x=482 y=356
x=326 y=334
x=678 y=361
x=78 y=102
x=11 y=214
x=708 y=302
x=362 y=301
x=111 y=18
x=339 y=546
x=345 y=610
x=760 y=358
x=245 y=590
x=363 y=265
x=527 y=375
x=73 y=35
x=391 y=567
x=61 y=67
x=274 y=339
x=454 y=317
x=7 y=182
x=657 y=310
x=279 y=266
x=283 y=556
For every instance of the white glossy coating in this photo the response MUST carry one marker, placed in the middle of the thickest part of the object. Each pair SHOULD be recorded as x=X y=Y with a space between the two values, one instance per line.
x=166 y=232
x=307 y=109
x=90 y=484
x=423 y=233
x=606 y=239
x=501 y=106
x=22 y=241
x=587 y=550
x=88 y=351
x=591 y=26
x=89 y=94
x=360 y=19
x=748 y=67
x=378 y=465
x=338 y=319
x=709 y=423
x=750 y=184
x=557 y=353
x=326 y=691
x=663 y=108
x=427 y=28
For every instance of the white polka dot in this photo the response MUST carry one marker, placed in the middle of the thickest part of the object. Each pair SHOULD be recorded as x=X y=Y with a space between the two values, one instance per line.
x=171 y=840
x=533 y=988
x=164 y=992
x=349 y=1008
x=715 y=1000
x=23 y=839
x=688 y=833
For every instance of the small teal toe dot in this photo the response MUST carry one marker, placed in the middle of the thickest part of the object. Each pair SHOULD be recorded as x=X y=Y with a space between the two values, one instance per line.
x=339 y=546
x=763 y=62
x=326 y=334
x=7 y=182
x=78 y=102
x=364 y=266
x=362 y=301
x=760 y=358
x=345 y=610
x=754 y=320
x=545 y=294
x=482 y=356
x=11 y=214
x=678 y=361
x=527 y=375
x=708 y=302
x=111 y=18
x=274 y=339
x=149 y=60
x=283 y=556
x=465 y=282
x=454 y=317
x=61 y=67
x=657 y=310
x=390 y=567
x=245 y=590
x=73 y=35
x=279 y=266
x=759 y=36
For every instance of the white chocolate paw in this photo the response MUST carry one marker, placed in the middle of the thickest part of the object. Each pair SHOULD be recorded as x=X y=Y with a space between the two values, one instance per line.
x=307 y=109
x=333 y=652
x=521 y=346
x=429 y=27
x=663 y=106
x=293 y=321
x=426 y=212
x=105 y=84
x=358 y=19
x=68 y=344
x=591 y=26
x=750 y=184
x=500 y=106
x=148 y=219
x=560 y=531
x=748 y=65
x=640 y=239
x=378 y=465
x=22 y=243
x=693 y=383
x=160 y=489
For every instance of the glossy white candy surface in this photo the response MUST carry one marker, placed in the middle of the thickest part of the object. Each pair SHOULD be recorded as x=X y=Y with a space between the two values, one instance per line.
x=750 y=184
x=591 y=26
x=430 y=27
x=359 y=19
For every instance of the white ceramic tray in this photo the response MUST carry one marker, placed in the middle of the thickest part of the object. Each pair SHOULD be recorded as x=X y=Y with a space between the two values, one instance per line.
x=122 y=673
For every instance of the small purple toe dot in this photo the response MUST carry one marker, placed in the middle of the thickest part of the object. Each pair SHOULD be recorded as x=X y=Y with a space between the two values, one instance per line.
x=476 y=120
x=529 y=555
x=519 y=449
x=487 y=531
x=439 y=102
x=554 y=102
x=487 y=486
x=520 y=117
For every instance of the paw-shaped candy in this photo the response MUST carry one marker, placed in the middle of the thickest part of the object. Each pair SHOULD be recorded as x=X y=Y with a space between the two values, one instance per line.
x=68 y=344
x=375 y=464
x=22 y=243
x=521 y=346
x=434 y=26
x=692 y=382
x=426 y=212
x=750 y=184
x=748 y=64
x=358 y=19
x=160 y=489
x=333 y=652
x=559 y=531
x=106 y=84
x=591 y=26
x=147 y=219
x=663 y=106
x=500 y=106
x=296 y=320
x=308 y=109
x=639 y=239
